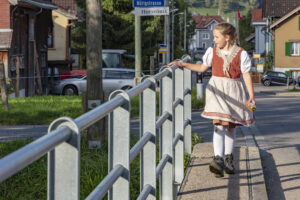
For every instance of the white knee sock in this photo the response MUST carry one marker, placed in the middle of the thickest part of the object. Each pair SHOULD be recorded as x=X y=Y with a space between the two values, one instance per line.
x=218 y=140
x=229 y=140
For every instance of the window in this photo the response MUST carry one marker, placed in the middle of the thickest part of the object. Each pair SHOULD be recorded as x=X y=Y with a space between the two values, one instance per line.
x=295 y=49
x=292 y=48
x=205 y=36
x=282 y=75
x=204 y=45
x=50 y=37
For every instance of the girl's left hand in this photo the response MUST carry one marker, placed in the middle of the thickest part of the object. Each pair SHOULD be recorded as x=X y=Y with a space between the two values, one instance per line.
x=176 y=62
x=252 y=100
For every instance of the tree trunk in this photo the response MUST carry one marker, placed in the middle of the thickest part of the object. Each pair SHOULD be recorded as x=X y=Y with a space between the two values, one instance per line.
x=94 y=67
x=17 y=90
x=3 y=87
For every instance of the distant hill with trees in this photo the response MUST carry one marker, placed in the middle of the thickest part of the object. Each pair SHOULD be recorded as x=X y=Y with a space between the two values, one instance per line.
x=225 y=8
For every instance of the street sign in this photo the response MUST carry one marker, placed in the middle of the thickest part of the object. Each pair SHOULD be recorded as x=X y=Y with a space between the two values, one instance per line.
x=148 y=3
x=256 y=56
x=151 y=11
x=163 y=49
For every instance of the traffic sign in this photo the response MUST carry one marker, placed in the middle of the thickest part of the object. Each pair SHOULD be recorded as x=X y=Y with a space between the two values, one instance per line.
x=148 y=3
x=163 y=49
x=151 y=11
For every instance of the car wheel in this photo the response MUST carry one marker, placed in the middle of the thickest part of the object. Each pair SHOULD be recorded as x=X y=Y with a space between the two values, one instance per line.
x=267 y=83
x=70 y=90
x=126 y=88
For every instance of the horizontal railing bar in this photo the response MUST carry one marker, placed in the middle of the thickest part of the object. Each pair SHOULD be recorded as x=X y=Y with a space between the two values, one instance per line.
x=139 y=88
x=177 y=101
x=24 y=156
x=136 y=149
x=98 y=113
x=186 y=91
x=145 y=192
x=161 y=74
x=162 y=119
x=162 y=164
x=176 y=139
x=186 y=122
x=100 y=191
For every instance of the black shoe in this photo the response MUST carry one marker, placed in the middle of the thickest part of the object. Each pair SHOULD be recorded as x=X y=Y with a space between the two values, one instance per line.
x=217 y=166
x=229 y=168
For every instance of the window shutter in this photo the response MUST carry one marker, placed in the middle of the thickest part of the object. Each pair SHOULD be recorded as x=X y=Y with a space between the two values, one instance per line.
x=299 y=23
x=287 y=49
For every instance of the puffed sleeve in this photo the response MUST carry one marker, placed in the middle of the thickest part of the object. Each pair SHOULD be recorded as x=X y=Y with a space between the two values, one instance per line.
x=245 y=62
x=207 y=58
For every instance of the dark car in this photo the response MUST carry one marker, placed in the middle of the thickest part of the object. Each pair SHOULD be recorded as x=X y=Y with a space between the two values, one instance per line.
x=299 y=81
x=275 y=78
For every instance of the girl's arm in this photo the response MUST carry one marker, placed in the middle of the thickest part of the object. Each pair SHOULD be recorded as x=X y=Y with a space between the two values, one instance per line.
x=190 y=66
x=249 y=85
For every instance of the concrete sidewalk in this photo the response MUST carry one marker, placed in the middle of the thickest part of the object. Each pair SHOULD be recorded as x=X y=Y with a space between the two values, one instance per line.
x=246 y=183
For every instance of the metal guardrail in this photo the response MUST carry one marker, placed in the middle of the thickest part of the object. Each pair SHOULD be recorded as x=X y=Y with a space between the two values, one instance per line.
x=62 y=143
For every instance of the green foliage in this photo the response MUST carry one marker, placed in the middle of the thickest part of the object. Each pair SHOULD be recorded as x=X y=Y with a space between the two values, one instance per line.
x=197 y=103
x=196 y=139
x=246 y=29
x=118 y=29
x=269 y=62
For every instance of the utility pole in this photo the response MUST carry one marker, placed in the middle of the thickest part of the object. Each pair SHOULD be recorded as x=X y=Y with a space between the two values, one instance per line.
x=184 y=40
x=138 y=48
x=167 y=34
x=94 y=96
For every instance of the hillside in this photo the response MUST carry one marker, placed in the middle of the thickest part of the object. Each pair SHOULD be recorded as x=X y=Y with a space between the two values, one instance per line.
x=226 y=8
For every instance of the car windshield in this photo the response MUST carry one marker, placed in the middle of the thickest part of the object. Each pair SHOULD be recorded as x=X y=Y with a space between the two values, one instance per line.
x=111 y=60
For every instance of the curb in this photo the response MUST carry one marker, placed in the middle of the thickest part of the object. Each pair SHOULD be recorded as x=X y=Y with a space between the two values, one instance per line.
x=256 y=179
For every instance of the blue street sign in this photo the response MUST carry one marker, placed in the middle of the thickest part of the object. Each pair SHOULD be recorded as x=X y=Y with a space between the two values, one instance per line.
x=148 y=3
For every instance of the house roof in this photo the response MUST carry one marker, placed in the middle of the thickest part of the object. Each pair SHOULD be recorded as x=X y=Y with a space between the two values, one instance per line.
x=203 y=21
x=286 y=17
x=68 y=6
x=278 y=8
x=5 y=38
x=36 y=3
x=257 y=15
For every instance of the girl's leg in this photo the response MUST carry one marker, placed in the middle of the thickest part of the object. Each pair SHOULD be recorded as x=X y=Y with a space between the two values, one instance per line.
x=218 y=140
x=217 y=164
x=229 y=145
x=229 y=141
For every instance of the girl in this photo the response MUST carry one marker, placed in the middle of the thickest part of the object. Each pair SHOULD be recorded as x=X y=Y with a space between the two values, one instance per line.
x=225 y=94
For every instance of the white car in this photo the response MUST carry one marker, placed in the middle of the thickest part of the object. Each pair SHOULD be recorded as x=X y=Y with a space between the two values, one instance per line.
x=113 y=79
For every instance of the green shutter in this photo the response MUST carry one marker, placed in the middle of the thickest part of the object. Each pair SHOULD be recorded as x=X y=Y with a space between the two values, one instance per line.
x=287 y=49
x=299 y=23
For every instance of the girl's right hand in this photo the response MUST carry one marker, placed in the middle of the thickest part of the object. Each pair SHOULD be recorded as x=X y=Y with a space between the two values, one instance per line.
x=176 y=62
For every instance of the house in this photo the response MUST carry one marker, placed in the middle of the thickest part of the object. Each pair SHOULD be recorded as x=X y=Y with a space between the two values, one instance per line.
x=203 y=37
x=5 y=34
x=286 y=31
x=59 y=37
x=24 y=31
x=261 y=37
x=272 y=10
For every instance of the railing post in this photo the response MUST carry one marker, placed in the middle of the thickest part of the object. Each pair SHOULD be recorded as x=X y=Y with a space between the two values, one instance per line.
x=119 y=146
x=148 y=121
x=166 y=136
x=188 y=111
x=64 y=164
x=178 y=123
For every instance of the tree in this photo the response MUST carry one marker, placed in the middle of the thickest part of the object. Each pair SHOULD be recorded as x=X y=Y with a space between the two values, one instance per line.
x=94 y=93
x=207 y=3
x=246 y=29
x=269 y=62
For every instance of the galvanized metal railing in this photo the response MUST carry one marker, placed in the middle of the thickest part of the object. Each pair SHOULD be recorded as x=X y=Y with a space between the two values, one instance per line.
x=62 y=143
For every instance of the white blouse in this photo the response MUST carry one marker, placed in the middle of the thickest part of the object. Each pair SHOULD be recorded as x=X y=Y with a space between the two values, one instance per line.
x=245 y=59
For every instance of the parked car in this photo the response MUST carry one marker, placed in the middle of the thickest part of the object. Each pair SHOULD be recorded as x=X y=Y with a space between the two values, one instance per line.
x=113 y=79
x=299 y=81
x=276 y=78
